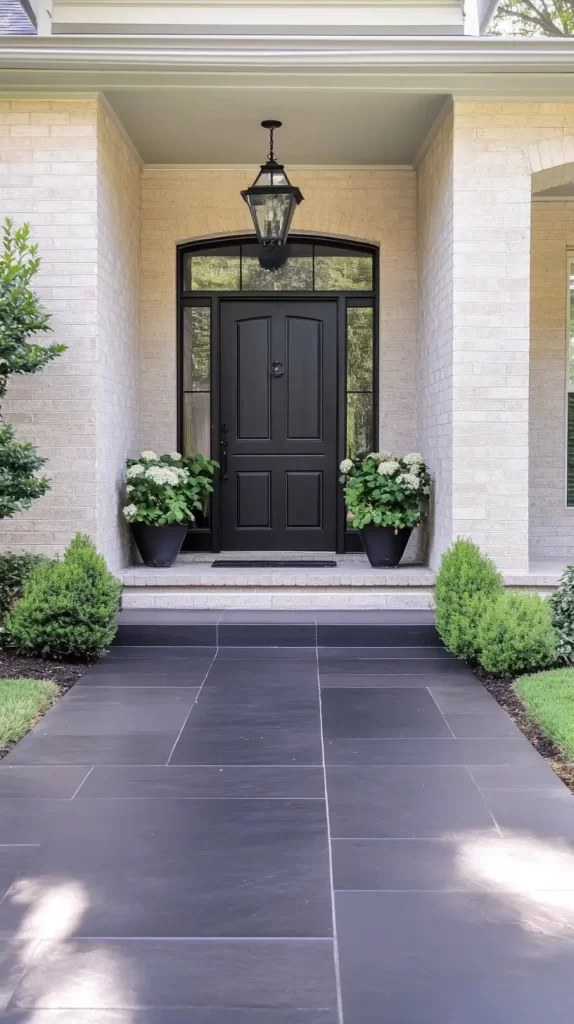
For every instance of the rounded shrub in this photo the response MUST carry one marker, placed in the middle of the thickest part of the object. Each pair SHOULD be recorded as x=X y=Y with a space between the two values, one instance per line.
x=466 y=584
x=14 y=571
x=516 y=635
x=68 y=608
x=562 y=611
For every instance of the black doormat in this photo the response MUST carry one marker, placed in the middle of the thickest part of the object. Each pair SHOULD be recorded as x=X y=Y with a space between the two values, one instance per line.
x=299 y=563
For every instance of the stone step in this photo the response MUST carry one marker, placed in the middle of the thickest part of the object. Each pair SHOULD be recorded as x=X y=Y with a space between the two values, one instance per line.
x=398 y=630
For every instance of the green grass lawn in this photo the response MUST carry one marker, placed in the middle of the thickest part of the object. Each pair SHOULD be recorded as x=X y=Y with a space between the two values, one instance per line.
x=549 y=700
x=21 y=701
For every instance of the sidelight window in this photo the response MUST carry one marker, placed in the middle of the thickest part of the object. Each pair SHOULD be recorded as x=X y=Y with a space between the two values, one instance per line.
x=196 y=380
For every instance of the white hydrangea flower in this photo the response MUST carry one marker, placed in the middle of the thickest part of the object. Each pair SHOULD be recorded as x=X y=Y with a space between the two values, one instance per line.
x=346 y=466
x=413 y=459
x=176 y=456
x=163 y=475
x=388 y=468
x=130 y=511
x=409 y=480
x=380 y=456
x=148 y=456
x=129 y=488
x=134 y=471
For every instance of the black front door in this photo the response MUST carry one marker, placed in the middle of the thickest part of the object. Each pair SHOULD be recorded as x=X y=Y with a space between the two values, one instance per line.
x=278 y=425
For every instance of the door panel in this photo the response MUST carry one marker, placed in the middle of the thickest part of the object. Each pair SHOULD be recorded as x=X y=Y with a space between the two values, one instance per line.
x=279 y=425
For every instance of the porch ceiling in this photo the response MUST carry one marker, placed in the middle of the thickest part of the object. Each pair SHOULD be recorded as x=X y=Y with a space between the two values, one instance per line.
x=321 y=126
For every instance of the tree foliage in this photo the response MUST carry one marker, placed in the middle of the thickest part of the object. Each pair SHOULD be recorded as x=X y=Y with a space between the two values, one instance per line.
x=535 y=18
x=21 y=316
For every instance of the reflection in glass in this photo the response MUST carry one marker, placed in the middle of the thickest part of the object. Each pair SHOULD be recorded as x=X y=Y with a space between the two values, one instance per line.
x=360 y=348
x=215 y=273
x=295 y=275
x=196 y=348
x=359 y=424
x=196 y=425
x=343 y=273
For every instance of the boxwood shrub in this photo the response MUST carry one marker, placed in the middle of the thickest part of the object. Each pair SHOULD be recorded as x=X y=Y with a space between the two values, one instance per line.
x=466 y=584
x=14 y=571
x=68 y=608
x=516 y=635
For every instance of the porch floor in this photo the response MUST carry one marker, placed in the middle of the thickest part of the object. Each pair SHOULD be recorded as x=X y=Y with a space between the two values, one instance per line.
x=285 y=836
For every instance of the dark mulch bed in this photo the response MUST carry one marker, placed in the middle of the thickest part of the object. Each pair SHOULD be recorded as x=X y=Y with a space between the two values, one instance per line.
x=503 y=691
x=64 y=673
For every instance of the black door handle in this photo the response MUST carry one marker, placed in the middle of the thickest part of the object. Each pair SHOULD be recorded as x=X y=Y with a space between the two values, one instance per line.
x=224 y=447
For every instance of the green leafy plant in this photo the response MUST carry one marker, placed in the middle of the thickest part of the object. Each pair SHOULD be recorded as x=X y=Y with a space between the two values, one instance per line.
x=19 y=463
x=68 y=608
x=166 y=489
x=21 y=315
x=466 y=583
x=562 y=611
x=516 y=635
x=14 y=571
x=385 y=490
x=535 y=18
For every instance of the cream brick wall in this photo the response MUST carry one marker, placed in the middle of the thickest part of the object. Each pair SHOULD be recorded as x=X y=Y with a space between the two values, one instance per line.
x=48 y=176
x=497 y=147
x=118 y=409
x=435 y=353
x=551 y=523
x=65 y=169
x=374 y=206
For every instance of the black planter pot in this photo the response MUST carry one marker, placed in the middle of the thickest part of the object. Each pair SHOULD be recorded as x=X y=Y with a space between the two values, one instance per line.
x=159 y=546
x=385 y=546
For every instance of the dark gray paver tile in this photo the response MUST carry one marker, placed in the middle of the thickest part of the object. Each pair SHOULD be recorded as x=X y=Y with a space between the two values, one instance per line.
x=116 y=711
x=264 y=654
x=381 y=712
x=438 y=671
x=28 y=821
x=474 y=862
x=383 y=680
x=445 y=958
x=269 y=634
x=404 y=802
x=13 y=958
x=205 y=781
x=487 y=751
x=262 y=724
x=185 y=974
x=538 y=775
x=494 y=723
x=150 y=666
x=169 y=634
x=404 y=653
x=137 y=748
x=544 y=814
x=380 y=634
x=182 y=868
x=453 y=699
x=13 y=861
x=263 y=617
x=160 y=1015
x=287 y=673
x=37 y=783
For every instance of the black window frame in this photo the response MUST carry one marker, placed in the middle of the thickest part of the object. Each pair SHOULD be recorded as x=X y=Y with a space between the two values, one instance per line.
x=206 y=537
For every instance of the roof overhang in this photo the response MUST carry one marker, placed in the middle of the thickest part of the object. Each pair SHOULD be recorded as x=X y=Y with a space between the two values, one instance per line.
x=478 y=67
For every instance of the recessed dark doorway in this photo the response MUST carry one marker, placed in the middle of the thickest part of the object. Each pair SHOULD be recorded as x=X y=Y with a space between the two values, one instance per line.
x=276 y=380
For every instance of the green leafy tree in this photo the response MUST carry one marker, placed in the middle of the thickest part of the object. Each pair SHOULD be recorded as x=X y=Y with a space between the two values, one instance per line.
x=21 y=317
x=535 y=18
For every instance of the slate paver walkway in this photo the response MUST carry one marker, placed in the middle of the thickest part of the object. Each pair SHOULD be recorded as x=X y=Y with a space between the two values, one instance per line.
x=167 y=854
